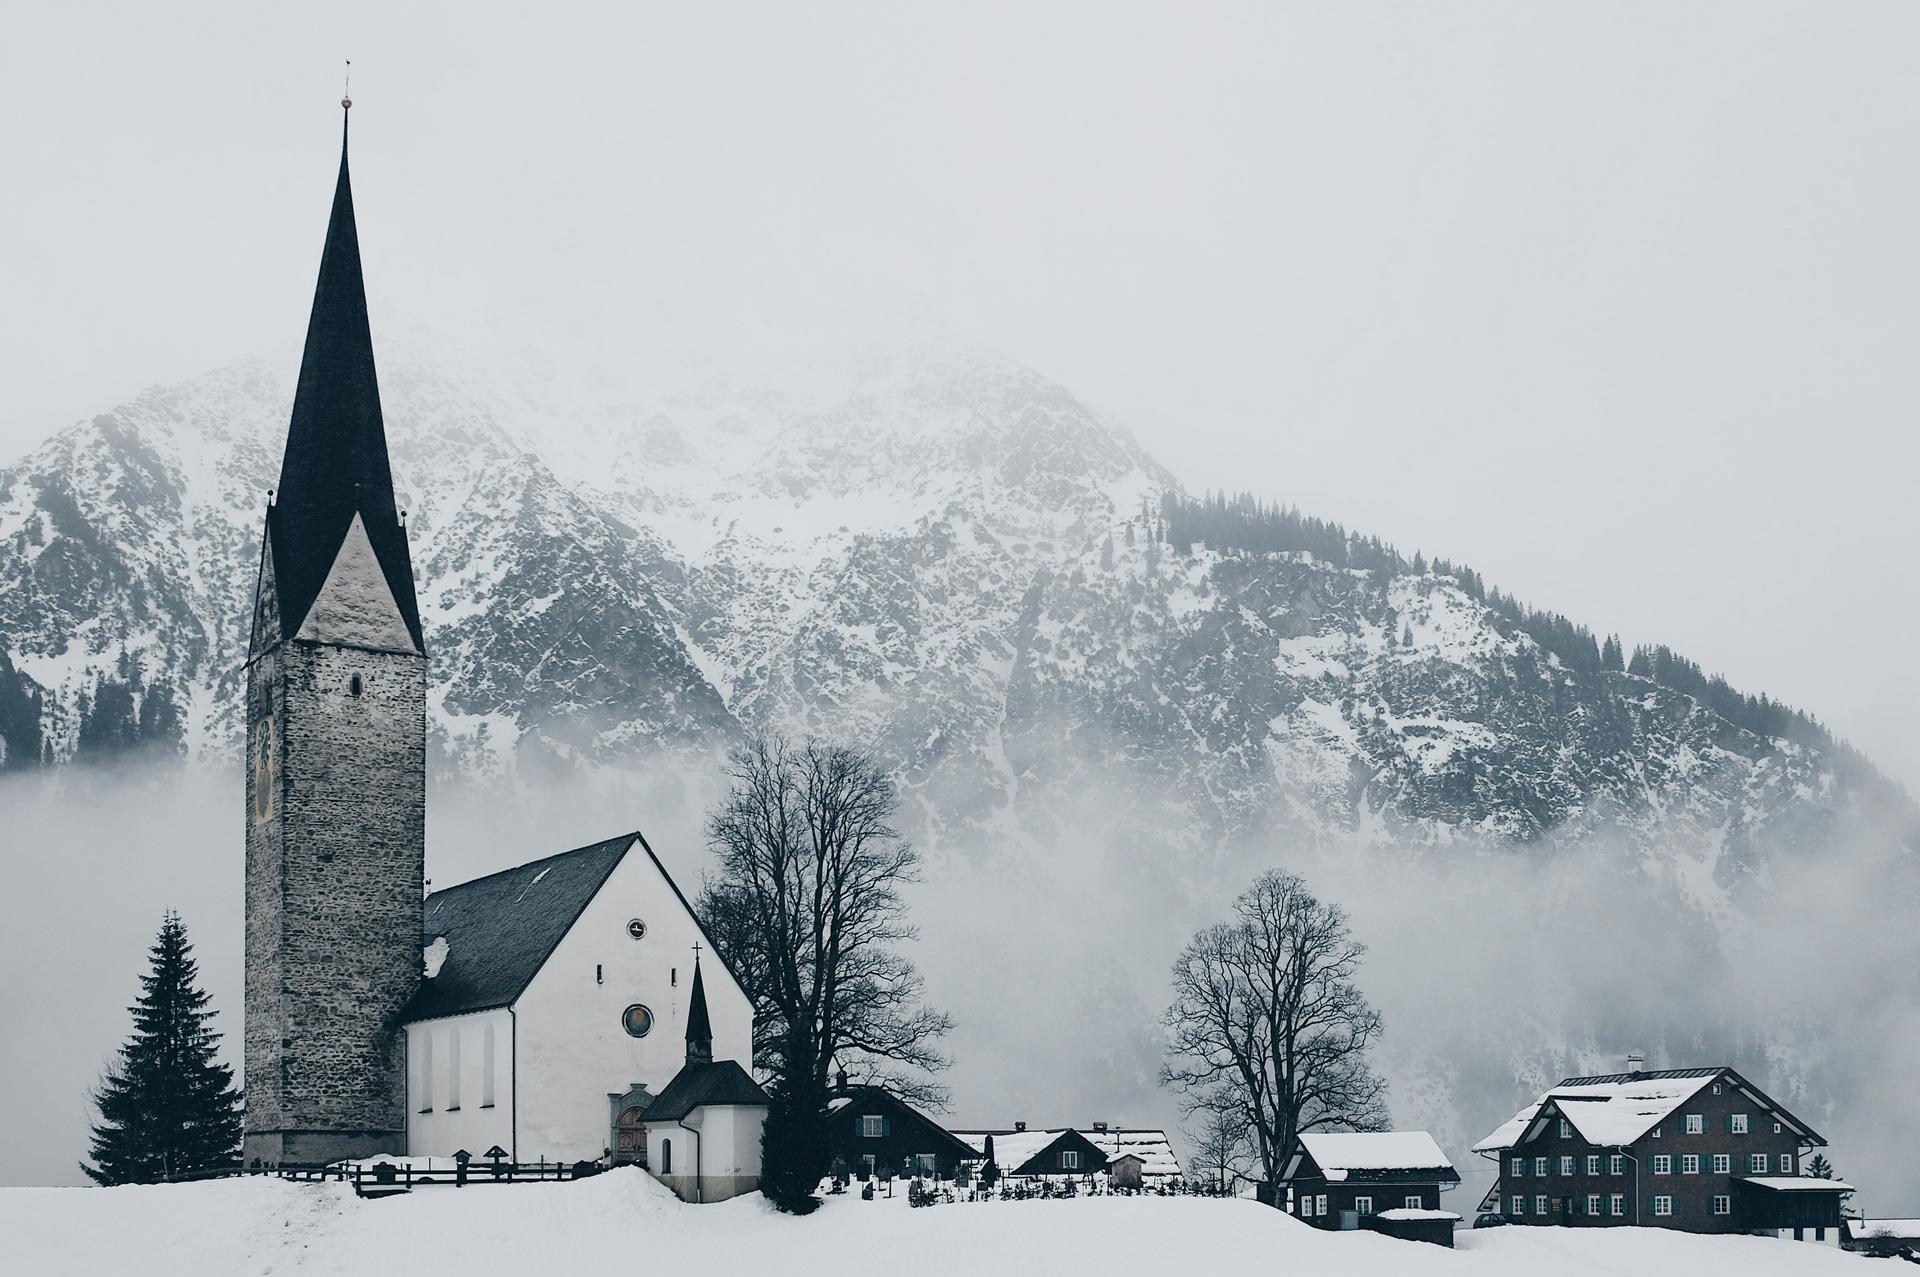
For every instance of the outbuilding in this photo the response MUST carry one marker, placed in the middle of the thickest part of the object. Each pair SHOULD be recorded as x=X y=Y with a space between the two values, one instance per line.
x=1347 y=1180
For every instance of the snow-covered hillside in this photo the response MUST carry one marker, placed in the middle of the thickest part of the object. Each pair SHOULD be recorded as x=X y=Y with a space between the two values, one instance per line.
x=625 y=1221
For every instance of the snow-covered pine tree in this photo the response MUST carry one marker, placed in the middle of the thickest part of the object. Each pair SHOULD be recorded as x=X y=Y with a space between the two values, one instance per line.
x=1819 y=1167
x=168 y=1110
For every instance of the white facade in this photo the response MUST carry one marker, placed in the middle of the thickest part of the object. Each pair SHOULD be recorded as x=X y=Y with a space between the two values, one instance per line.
x=562 y=1048
x=714 y=1152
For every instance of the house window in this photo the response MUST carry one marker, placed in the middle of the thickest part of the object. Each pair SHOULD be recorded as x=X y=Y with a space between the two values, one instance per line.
x=1320 y=1204
x=1786 y=1163
x=1516 y=1205
x=1540 y=1206
x=1306 y=1205
x=1690 y=1164
x=1736 y=1123
x=666 y=1157
x=1415 y=1203
x=1363 y=1205
x=1716 y=1088
x=1519 y=1166
x=1617 y=1204
x=1566 y=1129
x=872 y=1128
x=1723 y=1163
x=1663 y=1206
x=1593 y=1203
x=1566 y=1166
x=1756 y=1163
x=637 y=1020
x=1617 y=1165
x=1696 y=1123
x=1776 y=1128
x=1539 y=1166
x=927 y=1164
x=1656 y=1132
x=1069 y=1159
x=1663 y=1165
x=1593 y=1163
x=1722 y=1205
x=353 y=686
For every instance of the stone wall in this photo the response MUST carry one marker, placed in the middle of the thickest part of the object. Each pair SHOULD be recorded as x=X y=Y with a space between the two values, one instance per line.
x=335 y=869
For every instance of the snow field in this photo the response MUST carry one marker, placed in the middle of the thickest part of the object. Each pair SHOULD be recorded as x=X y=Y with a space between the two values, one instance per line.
x=625 y=1222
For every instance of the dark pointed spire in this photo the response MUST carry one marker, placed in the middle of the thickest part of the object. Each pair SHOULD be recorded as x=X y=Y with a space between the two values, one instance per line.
x=336 y=459
x=699 y=1027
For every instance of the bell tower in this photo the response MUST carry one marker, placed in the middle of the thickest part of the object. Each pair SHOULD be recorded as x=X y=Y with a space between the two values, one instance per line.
x=336 y=757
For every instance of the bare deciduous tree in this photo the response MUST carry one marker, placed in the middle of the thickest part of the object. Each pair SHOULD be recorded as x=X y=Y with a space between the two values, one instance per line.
x=1224 y=1138
x=1267 y=1024
x=805 y=906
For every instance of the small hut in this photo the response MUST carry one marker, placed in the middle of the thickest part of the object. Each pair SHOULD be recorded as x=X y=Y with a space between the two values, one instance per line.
x=1124 y=1170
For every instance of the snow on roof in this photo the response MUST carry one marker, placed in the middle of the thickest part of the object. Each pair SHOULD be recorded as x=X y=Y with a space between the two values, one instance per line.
x=1151 y=1147
x=1011 y=1148
x=1611 y=1113
x=1798 y=1183
x=1412 y=1212
x=1338 y=1154
x=1903 y=1228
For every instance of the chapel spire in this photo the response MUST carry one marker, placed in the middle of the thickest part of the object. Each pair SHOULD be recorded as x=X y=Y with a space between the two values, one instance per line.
x=699 y=1026
x=336 y=465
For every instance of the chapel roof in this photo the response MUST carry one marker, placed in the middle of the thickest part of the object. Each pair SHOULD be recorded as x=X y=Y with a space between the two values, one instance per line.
x=701 y=1083
x=335 y=465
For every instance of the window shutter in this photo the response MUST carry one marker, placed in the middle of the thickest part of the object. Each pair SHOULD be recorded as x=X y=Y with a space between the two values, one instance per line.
x=886 y=1126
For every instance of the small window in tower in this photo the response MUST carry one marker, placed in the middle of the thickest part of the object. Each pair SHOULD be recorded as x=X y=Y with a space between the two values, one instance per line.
x=637 y=1020
x=353 y=686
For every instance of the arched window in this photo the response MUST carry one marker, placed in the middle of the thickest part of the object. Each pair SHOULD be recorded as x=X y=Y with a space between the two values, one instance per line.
x=486 y=1066
x=426 y=1070
x=353 y=686
x=666 y=1157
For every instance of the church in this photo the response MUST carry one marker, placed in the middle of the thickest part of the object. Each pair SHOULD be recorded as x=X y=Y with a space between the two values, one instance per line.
x=560 y=1010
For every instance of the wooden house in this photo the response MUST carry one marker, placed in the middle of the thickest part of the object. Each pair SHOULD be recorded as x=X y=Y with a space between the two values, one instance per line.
x=874 y=1131
x=1355 y=1179
x=1702 y=1150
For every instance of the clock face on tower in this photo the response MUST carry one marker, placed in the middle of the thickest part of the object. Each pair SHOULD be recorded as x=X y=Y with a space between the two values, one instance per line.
x=266 y=768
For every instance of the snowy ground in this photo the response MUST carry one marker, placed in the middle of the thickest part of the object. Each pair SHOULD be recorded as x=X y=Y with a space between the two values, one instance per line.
x=624 y=1222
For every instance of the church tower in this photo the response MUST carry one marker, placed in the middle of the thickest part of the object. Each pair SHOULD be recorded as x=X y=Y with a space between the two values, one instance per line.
x=336 y=757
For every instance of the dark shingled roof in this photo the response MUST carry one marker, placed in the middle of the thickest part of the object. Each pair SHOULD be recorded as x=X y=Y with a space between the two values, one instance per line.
x=336 y=459
x=704 y=1082
x=501 y=928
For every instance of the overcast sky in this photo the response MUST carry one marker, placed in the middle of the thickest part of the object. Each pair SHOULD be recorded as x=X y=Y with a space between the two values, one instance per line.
x=1615 y=302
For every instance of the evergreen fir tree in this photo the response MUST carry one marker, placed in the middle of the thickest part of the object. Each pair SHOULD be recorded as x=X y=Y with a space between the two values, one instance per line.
x=168 y=1109
x=1610 y=658
x=1819 y=1167
x=794 y=1154
x=1406 y=635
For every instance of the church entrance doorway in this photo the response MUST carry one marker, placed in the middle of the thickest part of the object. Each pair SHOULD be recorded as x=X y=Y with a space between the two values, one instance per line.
x=630 y=1139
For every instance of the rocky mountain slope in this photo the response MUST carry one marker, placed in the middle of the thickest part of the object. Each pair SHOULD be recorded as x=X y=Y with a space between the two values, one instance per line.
x=1104 y=731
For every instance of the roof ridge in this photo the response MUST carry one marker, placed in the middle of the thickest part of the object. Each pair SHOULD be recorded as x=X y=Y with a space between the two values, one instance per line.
x=528 y=864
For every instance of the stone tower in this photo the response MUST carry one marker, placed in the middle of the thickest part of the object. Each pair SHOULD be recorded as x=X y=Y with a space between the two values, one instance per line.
x=336 y=758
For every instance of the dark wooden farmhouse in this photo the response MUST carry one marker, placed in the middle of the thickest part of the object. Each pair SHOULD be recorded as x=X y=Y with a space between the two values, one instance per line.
x=875 y=1131
x=1701 y=1150
x=1387 y=1181
x=1061 y=1151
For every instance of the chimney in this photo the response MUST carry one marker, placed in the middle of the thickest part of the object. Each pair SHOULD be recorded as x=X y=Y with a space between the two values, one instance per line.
x=840 y=1081
x=1099 y=1126
x=1019 y=1126
x=1636 y=1063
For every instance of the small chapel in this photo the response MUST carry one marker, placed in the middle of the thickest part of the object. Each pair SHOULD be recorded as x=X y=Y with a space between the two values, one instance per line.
x=571 y=1009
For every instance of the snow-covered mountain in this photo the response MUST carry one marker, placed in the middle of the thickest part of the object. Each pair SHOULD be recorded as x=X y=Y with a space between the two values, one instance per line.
x=940 y=552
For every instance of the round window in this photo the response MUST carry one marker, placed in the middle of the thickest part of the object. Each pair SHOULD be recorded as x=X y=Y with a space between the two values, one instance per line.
x=636 y=928
x=637 y=1020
